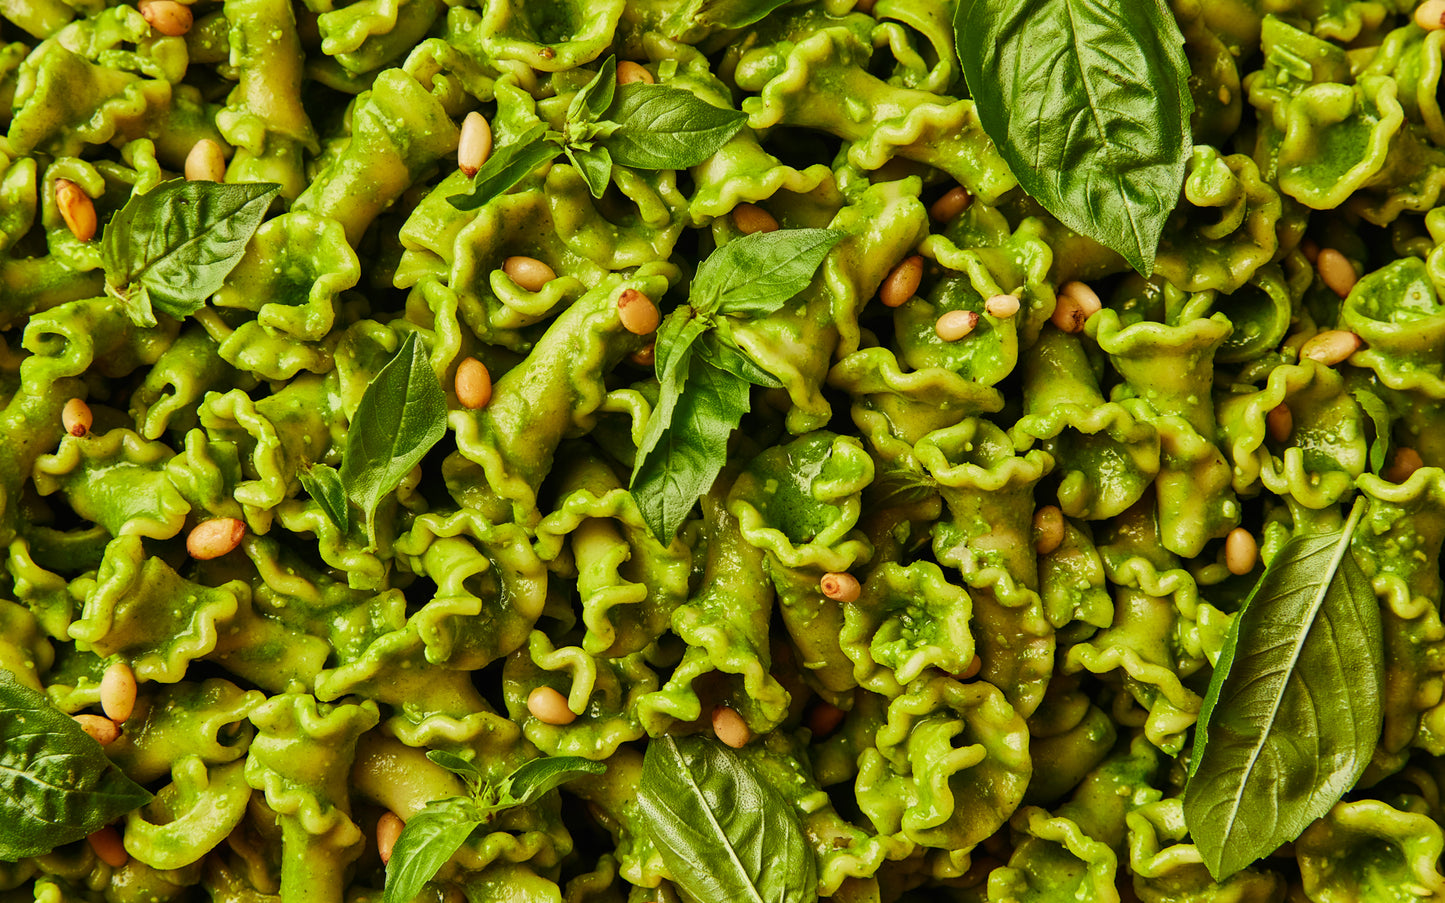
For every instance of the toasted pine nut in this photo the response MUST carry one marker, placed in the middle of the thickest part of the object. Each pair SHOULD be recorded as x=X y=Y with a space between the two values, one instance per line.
x=954 y=202
x=76 y=417
x=1048 y=529
x=214 y=538
x=549 y=707
x=1403 y=463
x=955 y=324
x=206 y=162
x=902 y=283
x=750 y=218
x=102 y=730
x=388 y=829
x=730 y=727
x=638 y=314
x=76 y=208
x=474 y=384
x=475 y=145
x=840 y=586
x=970 y=671
x=1001 y=307
x=1430 y=15
x=1330 y=347
x=1076 y=304
x=644 y=357
x=117 y=691
x=168 y=17
x=629 y=72
x=863 y=6
x=1311 y=250
x=107 y=845
x=1336 y=271
x=529 y=273
x=1279 y=422
x=824 y=719
x=1240 y=551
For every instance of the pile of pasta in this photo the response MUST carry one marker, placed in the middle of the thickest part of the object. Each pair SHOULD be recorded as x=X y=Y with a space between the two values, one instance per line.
x=289 y=691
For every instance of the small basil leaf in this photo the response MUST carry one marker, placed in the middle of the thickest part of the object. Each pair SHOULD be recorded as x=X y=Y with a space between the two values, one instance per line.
x=723 y=14
x=595 y=165
x=724 y=354
x=507 y=166
x=323 y=484
x=1294 y=707
x=402 y=414
x=180 y=240
x=538 y=776
x=596 y=96
x=429 y=839
x=1089 y=104
x=667 y=128
x=463 y=768
x=759 y=273
x=56 y=784
x=725 y=834
x=1375 y=409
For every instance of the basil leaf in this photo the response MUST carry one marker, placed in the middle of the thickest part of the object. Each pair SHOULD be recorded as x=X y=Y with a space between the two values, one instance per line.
x=540 y=775
x=56 y=784
x=650 y=469
x=323 y=484
x=759 y=273
x=464 y=769
x=724 y=354
x=667 y=128
x=595 y=165
x=428 y=840
x=402 y=414
x=596 y=96
x=1088 y=102
x=1294 y=708
x=1375 y=409
x=179 y=241
x=725 y=835
x=723 y=14
x=507 y=166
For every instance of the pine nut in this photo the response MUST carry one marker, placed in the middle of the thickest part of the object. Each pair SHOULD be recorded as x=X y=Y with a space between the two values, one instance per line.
x=1241 y=552
x=76 y=208
x=76 y=417
x=1048 y=529
x=902 y=283
x=954 y=202
x=1311 y=250
x=644 y=357
x=474 y=384
x=102 y=730
x=108 y=847
x=1403 y=463
x=388 y=829
x=864 y=6
x=730 y=727
x=475 y=145
x=750 y=218
x=206 y=162
x=1076 y=304
x=214 y=538
x=549 y=707
x=1430 y=15
x=840 y=586
x=629 y=72
x=168 y=17
x=529 y=273
x=1336 y=271
x=1279 y=422
x=824 y=719
x=970 y=671
x=117 y=692
x=638 y=314
x=955 y=324
x=1330 y=347
x=1001 y=307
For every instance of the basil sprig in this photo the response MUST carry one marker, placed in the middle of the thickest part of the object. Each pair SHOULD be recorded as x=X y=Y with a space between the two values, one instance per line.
x=638 y=125
x=725 y=834
x=1294 y=708
x=173 y=247
x=703 y=374
x=56 y=784
x=433 y=835
x=1088 y=102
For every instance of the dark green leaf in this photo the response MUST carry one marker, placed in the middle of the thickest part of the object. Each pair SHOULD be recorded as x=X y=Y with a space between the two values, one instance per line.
x=402 y=414
x=56 y=784
x=722 y=14
x=466 y=770
x=507 y=166
x=675 y=338
x=1294 y=708
x=540 y=775
x=180 y=240
x=759 y=273
x=667 y=128
x=1375 y=409
x=724 y=354
x=1088 y=102
x=725 y=834
x=595 y=165
x=430 y=838
x=323 y=484
x=596 y=96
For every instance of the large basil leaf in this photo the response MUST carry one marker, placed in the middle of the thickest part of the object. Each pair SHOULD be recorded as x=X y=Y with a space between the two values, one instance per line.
x=725 y=835
x=1294 y=707
x=667 y=128
x=507 y=166
x=759 y=273
x=173 y=247
x=56 y=784
x=429 y=839
x=1088 y=102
